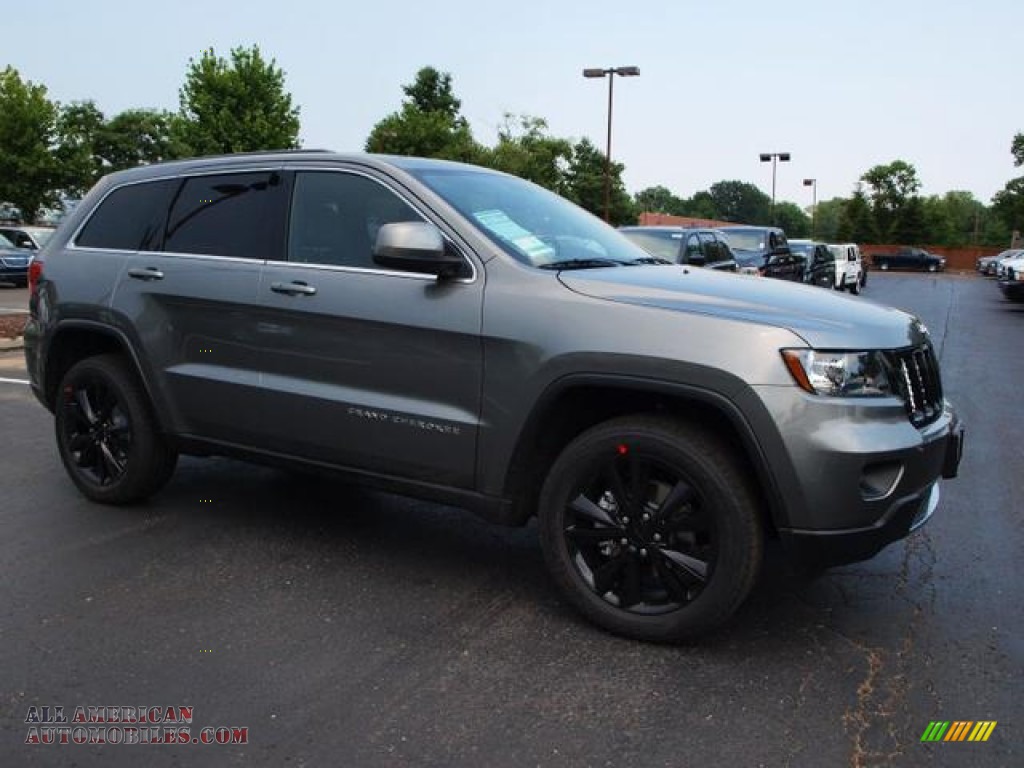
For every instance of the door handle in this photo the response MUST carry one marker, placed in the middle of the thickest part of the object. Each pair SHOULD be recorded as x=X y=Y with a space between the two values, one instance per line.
x=146 y=273
x=296 y=288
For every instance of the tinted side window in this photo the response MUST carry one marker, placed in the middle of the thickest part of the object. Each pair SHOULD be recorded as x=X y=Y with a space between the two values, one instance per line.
x=130 y=218
x=711 y=251
x=693 y=250
x=336 y=216
x=238 y=214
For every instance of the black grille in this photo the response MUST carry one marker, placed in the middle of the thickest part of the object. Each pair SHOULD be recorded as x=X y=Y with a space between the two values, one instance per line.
x=915 y=374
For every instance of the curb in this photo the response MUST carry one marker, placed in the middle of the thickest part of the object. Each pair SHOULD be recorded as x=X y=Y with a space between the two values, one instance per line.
x=7 y=345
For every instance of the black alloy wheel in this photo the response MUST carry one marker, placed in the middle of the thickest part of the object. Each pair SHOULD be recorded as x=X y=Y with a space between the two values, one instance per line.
x=106 y=433
x=649 y=528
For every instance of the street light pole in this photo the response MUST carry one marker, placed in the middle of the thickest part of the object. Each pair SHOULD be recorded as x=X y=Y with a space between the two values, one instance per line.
x=782 y=157
x=813 y=184
x=610 y=73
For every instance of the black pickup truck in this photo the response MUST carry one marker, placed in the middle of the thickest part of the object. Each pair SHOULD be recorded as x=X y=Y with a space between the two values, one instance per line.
x=909 y=258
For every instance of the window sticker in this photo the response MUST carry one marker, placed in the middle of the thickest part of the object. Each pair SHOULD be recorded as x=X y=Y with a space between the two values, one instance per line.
x=498 y=223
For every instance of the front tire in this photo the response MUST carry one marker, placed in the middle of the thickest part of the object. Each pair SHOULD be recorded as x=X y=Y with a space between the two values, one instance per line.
x=855 y=287
x=650 y=528
x=107 y=435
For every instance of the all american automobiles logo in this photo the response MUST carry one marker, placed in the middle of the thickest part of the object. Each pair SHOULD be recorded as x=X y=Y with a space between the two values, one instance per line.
x=125 y=725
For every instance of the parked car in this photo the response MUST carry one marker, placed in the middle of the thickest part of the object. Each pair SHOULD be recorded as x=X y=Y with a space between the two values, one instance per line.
x=463 y=335
x=32 y=238
x=683 y=245
x=1011 y=283
x=851 y=271
x=14 y=263
x=988 y=265
x=764 y=251
x=909 y=258
x=820 y=264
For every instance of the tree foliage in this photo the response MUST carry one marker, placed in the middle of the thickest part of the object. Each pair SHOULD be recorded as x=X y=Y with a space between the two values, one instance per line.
x=235 y=106
x=526 y=149
x=28 y=169
x=792 y=219
x=658 y=199
x=585 y=184
x=429 y=123
x=741 y=202
x=1017 y=150
x=857 y=222
x=891 y=186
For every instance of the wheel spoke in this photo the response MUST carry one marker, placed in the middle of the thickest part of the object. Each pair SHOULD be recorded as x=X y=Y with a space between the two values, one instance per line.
x=592 y=535
x=113 y=465
x=692 y=566
x=605 y=576
x=85 y=406
x=618 y=487
x=681 y=493
x=79 y=442
x=639 y=477
x=586 y=508
x=630 y=593
x=671 y=580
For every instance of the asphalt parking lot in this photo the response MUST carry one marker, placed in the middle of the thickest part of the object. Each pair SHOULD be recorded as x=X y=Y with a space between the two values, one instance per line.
x=352 y=628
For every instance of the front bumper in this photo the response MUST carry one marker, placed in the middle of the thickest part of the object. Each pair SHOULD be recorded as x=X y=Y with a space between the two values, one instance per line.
x=860 y=475
x=1012 y=289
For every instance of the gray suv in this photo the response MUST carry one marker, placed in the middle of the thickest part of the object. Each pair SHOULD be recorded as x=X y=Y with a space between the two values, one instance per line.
x=462 y=335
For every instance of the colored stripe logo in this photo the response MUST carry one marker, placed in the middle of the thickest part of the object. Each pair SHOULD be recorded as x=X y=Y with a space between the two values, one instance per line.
x=958 y=730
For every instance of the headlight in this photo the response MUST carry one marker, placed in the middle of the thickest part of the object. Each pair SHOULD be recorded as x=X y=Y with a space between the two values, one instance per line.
x=840 y=374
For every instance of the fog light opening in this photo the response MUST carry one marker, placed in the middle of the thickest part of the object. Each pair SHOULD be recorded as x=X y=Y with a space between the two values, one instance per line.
x=879 y=480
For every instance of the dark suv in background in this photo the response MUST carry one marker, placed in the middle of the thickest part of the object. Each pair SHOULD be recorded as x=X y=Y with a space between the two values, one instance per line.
x=819 y=263
x=684 y=245
x=765 y=251
x=462 y=335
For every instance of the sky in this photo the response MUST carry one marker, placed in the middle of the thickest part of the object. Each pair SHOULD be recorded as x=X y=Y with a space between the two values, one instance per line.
x=841 y=86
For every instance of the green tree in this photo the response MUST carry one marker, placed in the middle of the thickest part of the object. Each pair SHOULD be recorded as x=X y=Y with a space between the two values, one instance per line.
x=740 y=202
x=137 y=137
x=1008 y=204
x=429 y=123
x=1017 y=149
x=78 y=127
x=528 y=151
x=585 y=187
x=792 y=219
x=826 y=219
x=891 y=186
x=700 y=206
x=28 y=170
x=857 y=222
x=657 y=200
x=235 y=106
x=910 y=227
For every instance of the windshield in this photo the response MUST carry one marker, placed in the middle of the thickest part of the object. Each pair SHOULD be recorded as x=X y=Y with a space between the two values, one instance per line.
x=531 y=224
x=40 y=235
x=755 y=239
x=663 y=244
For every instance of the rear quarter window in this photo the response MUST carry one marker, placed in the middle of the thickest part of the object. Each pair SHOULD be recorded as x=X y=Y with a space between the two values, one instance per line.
x=131 y=218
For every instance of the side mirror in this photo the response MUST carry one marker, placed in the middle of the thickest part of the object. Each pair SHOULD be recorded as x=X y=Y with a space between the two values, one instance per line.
x=696 y=259
x=415 y=246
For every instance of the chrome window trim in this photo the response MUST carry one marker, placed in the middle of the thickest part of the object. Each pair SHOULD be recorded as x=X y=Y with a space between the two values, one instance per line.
x=72 y=244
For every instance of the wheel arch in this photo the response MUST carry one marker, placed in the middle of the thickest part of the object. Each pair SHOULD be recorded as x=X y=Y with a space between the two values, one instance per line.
x=576 y=403
x=75 y=340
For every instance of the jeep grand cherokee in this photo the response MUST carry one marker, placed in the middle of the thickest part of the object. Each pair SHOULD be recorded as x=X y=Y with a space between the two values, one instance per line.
x=459 y=334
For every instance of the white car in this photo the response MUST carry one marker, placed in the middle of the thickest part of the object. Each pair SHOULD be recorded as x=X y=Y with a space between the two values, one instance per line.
x=850 y=273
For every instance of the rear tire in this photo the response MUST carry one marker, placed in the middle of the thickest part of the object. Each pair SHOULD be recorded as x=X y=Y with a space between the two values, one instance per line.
x=107 y=435
x=650 y=528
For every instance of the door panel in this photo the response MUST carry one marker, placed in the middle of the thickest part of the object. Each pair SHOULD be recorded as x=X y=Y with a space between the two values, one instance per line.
x=370 y=368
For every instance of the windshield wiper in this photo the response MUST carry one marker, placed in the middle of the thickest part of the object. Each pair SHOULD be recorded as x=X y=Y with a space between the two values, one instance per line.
x=581 y=264
x=648 y=260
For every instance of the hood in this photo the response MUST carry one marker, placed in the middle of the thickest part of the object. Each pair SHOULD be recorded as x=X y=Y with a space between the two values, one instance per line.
x=824 y=319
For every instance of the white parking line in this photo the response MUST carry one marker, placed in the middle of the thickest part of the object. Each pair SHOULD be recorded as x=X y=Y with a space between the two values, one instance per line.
x=13 y=381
